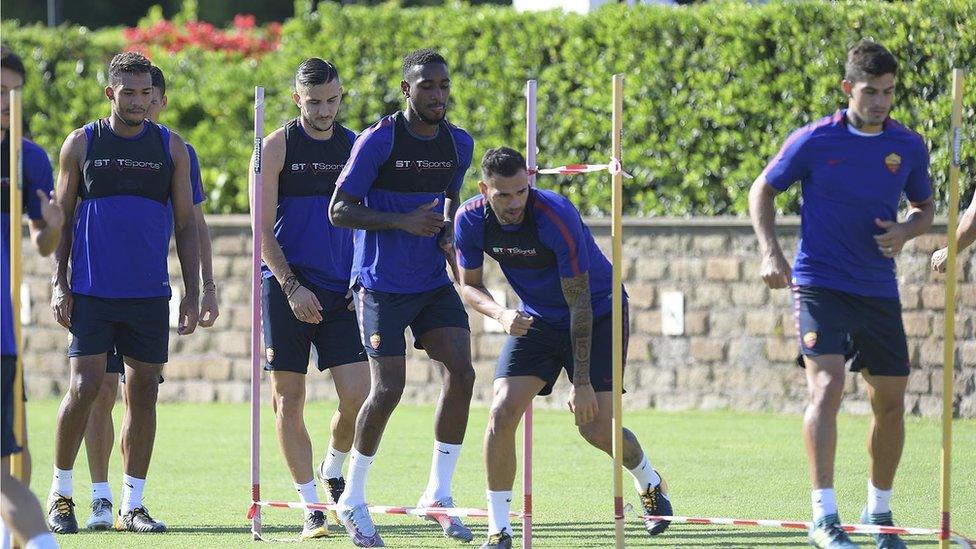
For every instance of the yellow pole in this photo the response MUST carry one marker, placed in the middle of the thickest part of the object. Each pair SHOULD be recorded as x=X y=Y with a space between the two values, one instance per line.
x=948 y=357
x=616 y=235
x=16 y=219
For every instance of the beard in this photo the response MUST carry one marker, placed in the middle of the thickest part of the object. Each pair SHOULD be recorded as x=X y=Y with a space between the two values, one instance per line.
x=317 y=127
x=130 y=121
x=426 y=119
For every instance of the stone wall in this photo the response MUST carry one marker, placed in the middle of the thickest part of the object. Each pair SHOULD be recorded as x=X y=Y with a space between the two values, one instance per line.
x=736 y=348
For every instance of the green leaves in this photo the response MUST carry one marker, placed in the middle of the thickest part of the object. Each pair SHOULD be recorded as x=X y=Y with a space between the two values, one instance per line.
x=712 y=90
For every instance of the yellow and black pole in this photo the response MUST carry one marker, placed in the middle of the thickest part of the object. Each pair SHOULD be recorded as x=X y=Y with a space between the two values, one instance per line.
x=16 y=131
x=616 y=235
x=949 y=354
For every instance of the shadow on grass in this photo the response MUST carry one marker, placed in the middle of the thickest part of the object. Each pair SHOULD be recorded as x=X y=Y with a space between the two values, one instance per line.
x=563 y=534
x=600 y=534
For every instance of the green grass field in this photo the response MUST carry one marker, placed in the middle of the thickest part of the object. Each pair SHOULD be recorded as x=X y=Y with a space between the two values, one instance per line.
x=717 y=463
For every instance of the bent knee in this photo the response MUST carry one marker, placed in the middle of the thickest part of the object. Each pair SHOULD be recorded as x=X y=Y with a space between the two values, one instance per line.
x=504 y=417
x=596 y=434
x=386 y=395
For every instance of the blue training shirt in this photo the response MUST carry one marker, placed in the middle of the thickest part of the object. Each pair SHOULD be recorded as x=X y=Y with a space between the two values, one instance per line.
x=314 y=248
x=123 y=225
x=37 y=176
x=847 y=181
x=552 y=242
x=393 y=170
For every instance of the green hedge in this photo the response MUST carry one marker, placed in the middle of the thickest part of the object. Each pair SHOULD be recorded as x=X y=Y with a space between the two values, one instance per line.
x=711 y=92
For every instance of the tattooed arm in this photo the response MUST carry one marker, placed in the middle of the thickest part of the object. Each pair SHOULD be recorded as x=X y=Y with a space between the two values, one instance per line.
x=582 y=400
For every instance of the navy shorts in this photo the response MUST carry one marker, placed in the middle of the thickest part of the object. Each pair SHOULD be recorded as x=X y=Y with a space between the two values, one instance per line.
x=9 y=441
x=114 y=364
x=384 y=316
x=288 y=341
x=867 y=331
x=545 y=350
x=137 y=327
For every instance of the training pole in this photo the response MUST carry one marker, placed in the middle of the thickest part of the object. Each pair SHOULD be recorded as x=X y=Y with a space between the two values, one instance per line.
x=530 y=148
x=256 y=214
x=16 y=136
x=616 y=236
x=948 y=357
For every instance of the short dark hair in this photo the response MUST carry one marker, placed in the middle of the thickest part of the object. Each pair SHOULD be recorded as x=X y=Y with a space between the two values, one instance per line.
x=158 y=80
x=315 y=71
x=868 y=59
x=127 y=62
x=12 y=61
x=425 y=56
x=503 y=161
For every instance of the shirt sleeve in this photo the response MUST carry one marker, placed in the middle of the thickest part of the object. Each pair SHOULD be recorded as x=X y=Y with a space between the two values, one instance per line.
x=371 y=149
x=789 y=165
x=468 y=239
x=465 y=150
x=196 y=181
x=918 y=188
x=38 y=176
x=561 y=228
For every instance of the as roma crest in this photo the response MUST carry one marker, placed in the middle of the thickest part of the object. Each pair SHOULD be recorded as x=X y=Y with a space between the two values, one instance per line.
x=374 y=340
x=893 y=163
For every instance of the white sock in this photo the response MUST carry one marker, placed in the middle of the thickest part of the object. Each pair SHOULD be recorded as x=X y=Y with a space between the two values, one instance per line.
x=307 y=494
x=824 y=503
x=42 y=541
x=442 y=471
x=499 y=504
x=131 y=493
x=645 y=475
x=61 y=484
x=101 y=490
x=333 y=463
x=879 y=501
x=355 y=492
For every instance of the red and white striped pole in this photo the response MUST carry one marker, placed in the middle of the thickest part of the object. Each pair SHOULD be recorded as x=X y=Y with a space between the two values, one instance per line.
x=256 y=355
x=459 y=512
x=530 y=149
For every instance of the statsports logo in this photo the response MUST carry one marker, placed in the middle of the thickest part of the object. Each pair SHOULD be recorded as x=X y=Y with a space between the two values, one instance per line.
x=423 y=165
x=126 y=164
x=317 y=167
x=515 y=251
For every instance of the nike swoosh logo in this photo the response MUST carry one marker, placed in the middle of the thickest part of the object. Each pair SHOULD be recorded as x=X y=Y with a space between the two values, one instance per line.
x=127 y=485
x=443 y=451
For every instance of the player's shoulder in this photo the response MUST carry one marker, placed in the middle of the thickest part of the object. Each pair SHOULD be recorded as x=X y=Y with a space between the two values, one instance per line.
x=377 y=139
x=820 y=128
x=190 y=150
x=550 y=200
x=381 y=129
x=461 y=136
x=167 y=133
x=897 y=130
x=276 y=139
x=32 y=149
x=472 y=208
x=77 y=141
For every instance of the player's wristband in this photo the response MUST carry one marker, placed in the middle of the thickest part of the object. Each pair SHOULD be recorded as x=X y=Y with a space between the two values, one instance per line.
x=290 y=285
x=294 y=289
